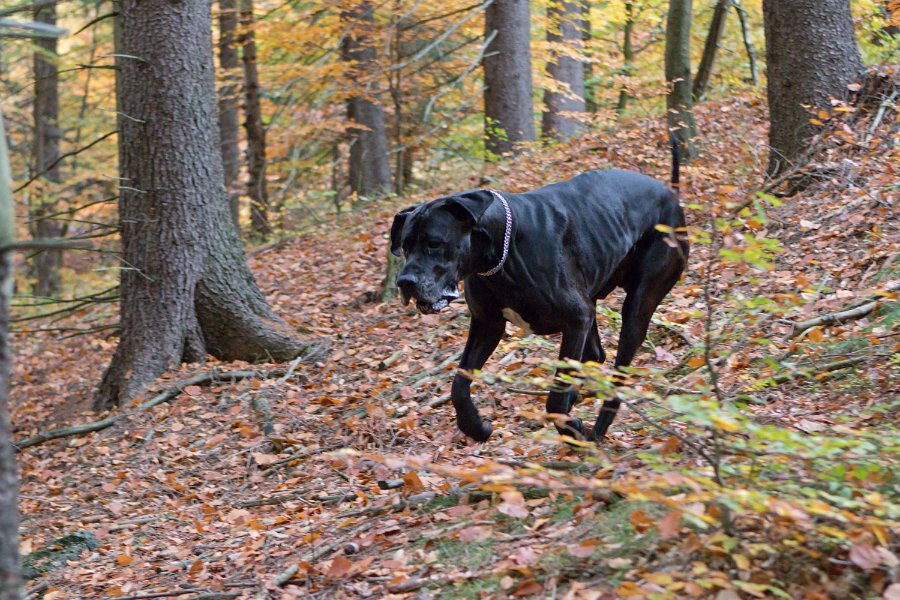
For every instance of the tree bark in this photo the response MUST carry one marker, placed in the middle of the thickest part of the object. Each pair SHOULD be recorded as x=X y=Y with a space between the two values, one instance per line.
x=257 y=190
x=185 y=287
x=10 y=565
x=811 y=56
x=678 y=77
x=508 y=112
x=627 y=55
x=710 y=48
x=564 y=36
x=46 y=264
x=370 y=167
x=229 y=108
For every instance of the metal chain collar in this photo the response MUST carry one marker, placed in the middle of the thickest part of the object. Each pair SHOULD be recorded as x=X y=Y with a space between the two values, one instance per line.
x=507 y=232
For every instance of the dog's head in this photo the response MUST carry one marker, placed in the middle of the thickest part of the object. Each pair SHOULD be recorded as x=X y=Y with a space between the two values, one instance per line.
x=436 y=239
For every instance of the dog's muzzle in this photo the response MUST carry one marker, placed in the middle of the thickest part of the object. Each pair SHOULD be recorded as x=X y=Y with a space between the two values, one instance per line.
x=409 y=290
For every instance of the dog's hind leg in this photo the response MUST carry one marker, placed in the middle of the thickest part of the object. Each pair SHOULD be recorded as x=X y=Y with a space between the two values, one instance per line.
x=575 y=340
x=657 y=271
x=483 y=338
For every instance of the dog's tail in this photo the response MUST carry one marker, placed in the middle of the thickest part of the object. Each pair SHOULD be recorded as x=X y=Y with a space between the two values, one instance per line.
x=676 y=164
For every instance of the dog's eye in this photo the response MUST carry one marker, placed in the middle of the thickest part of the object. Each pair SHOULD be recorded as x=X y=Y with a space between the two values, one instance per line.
x=434 y=244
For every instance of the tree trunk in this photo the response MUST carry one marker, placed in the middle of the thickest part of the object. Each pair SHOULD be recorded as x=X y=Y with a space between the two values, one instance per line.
x=564 y=36
x=47 y=133
x=370 y=167
x=256 y=131
x=627 y=55
x=185 y=290
x=748 y=42
x=811 y=56
x=710 y=48
x=10 y=566
x=678 y=76
x=590 y=93
x=508 y=112
x=229 y=108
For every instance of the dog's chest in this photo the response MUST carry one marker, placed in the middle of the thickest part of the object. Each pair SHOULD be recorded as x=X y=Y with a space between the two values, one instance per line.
x=517 y=320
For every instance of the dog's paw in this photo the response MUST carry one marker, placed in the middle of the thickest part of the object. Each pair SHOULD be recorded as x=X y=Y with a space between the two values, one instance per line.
x=480 y=432
x=572 y=427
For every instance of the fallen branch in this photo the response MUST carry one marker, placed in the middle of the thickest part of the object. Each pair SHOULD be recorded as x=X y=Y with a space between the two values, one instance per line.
x=166 y=396
x=850 y=314
x=286 y=575
x=829 y=368
x=306 y=453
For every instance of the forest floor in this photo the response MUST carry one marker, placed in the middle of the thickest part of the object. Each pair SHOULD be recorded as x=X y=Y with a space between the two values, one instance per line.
x=347 y=478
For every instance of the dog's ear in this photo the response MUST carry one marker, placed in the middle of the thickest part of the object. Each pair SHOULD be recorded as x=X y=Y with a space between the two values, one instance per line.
x=469 y=206
x=397 y=227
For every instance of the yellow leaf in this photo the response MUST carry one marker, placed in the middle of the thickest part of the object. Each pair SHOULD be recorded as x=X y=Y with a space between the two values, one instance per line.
x=724 y=424
x=815 y=334
x=741 y=562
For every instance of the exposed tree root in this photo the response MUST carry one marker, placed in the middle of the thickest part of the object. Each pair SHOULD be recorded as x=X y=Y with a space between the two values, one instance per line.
x=166 y=396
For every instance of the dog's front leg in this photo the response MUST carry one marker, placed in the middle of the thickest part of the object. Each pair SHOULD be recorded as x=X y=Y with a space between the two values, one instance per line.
x=560 y=401
x=483 y=339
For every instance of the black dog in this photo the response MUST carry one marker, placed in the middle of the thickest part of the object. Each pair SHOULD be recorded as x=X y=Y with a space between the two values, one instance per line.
x=541 y=260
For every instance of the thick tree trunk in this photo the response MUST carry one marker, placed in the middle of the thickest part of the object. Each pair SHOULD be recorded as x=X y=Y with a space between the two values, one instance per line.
x=811 y=56
x=627 y=55
x=678 y=76
x=10 y=566
x=186 y=289
x=46 y=264
x=565 y=36
x=229 y=107
x=370 y=167
x=508 y=112
x=710 y=48
x=257 y=189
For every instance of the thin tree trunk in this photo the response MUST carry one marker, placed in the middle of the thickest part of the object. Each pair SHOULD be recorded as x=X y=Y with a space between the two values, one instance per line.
x=748 y=42
x=47 y=133
x=811 y=57
x=185 y=290
x=710 y=48
x=257 y=190
x=678 y=76
x=370 y=167
x=10 y=566
x=560 y=109
x=229 y=107
x=508 y=112
x=396 y=92
x=590 y=93
x=627 y=55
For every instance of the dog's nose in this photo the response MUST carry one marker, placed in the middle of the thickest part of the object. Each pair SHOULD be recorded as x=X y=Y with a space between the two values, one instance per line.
x=407 y=283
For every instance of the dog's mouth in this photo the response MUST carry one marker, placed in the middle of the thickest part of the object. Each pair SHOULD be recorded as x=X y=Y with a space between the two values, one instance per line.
x=429 y=308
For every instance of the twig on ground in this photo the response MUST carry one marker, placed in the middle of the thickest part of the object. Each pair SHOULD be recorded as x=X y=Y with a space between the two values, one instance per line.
x=424 y=375
x=829 y=368
x=299 y=455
